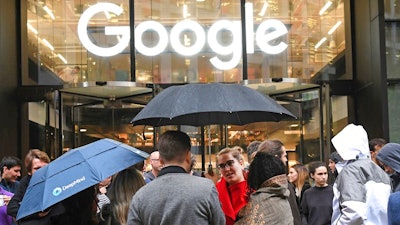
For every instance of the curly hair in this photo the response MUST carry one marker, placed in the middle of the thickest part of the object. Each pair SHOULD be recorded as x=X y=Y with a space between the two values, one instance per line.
x=263 y=167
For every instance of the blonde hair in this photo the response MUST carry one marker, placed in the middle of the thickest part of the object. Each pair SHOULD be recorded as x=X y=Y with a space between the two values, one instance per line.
x=302 y=176
x=124 y=186
x=234 y=151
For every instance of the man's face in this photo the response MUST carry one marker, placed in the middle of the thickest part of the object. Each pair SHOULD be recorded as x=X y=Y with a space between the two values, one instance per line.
x=155 y=161
x=11 y=175
x=389 y=170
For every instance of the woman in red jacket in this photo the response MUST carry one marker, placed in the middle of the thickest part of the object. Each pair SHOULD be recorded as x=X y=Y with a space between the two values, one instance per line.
x=232 y=187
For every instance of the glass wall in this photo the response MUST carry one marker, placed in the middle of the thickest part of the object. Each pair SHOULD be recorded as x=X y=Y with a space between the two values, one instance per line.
x=54 y=42
x=88 y=43
x=180 y=41
x=284 y=39
x=392 y=25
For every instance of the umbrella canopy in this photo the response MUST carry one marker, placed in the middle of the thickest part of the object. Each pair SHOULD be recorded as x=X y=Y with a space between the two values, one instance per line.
x=75 y=171
x=206 y=104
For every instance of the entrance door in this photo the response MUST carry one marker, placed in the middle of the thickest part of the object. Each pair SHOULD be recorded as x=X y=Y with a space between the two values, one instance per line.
x=303 y=138
x=105 y=110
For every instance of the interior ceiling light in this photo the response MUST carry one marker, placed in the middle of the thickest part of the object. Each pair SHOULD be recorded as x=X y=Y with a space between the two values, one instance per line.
x=62 y=58
x=338 y=23
x=47 y=43
x=49 y=12
x=31 y=28
x=185 y=11
x=320 y=42
x=326 y=7
x=264 y=9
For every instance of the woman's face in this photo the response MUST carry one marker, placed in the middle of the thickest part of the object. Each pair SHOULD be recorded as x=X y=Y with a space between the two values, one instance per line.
x=320 y=176
x=230 y=168
x=332 y=166
x=284 y=155
x=36 y=164
x=293 y=175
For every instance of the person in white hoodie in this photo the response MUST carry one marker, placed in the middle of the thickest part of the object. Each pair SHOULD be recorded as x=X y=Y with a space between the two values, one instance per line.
x=362 y=188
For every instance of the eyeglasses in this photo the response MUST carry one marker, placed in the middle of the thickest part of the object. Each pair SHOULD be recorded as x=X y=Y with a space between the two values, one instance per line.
x=228 y=164
x=155 y=159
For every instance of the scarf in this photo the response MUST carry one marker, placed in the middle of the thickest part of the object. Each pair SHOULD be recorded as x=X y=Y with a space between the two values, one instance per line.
x=232 y=197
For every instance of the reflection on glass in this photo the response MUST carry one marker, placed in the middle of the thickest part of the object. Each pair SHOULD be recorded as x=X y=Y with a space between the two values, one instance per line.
x=187 y=40
x=186 y=55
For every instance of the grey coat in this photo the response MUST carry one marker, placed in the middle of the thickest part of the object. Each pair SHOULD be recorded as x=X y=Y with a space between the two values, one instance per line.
x=176 y=198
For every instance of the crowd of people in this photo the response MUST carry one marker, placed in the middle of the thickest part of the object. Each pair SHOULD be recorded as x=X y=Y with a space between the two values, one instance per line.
x=360 y=184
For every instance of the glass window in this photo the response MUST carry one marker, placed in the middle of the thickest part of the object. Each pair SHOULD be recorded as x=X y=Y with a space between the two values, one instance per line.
x=392 y=9
x=394 y=109
x=311 y=31
x=392 y=50
x=180 y=41
x=54 y=43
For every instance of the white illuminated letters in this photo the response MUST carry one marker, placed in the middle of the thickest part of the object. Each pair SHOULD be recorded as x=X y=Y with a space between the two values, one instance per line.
x=115 y=30
x=267 y=32
x=187 y=25
x=264 y=39
x=234 y=48
x=162 y=36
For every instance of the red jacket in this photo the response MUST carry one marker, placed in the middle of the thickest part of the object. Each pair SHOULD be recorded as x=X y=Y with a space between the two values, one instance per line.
x=232 y=198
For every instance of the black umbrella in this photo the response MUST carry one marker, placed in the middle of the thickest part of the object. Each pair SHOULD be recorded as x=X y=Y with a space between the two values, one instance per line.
x=206 y=104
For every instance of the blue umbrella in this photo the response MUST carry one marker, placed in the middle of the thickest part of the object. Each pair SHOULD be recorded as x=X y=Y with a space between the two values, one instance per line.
x=75 y=171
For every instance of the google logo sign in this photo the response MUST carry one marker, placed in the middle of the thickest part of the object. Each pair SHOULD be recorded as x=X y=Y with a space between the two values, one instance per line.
x=265 y=36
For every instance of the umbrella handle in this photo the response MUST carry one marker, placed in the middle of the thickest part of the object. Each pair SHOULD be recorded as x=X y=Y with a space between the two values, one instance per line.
x=210 y=169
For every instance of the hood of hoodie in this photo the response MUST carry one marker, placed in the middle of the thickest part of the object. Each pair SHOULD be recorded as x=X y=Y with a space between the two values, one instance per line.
x=390 y=156
x=352 y=143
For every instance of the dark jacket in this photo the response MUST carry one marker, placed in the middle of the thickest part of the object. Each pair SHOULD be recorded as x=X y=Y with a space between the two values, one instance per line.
x=294 y=205
x=13 y=205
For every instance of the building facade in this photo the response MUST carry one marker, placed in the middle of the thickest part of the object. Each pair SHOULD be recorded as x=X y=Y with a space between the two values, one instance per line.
x=76 y=71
